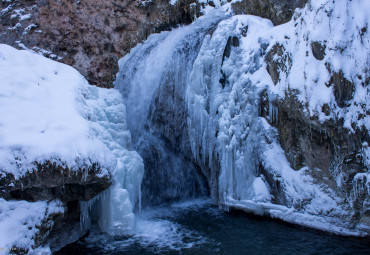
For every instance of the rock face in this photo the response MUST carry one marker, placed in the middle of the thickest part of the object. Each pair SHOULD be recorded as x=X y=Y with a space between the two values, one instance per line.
x=278 y=11
x=333 y=154
x=55 y=181
x=92 y=35
x=52 y=181
x=88 y=35
x=333 y=139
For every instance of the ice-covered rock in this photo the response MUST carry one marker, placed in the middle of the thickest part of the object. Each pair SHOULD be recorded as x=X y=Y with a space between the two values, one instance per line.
x=311 y=96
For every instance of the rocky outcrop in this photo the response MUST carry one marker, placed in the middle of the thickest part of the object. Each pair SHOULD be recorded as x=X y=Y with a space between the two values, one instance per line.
x=55 y=181
x=278 y=11
x=89 y=35
x=50 y=181
x=334 y=152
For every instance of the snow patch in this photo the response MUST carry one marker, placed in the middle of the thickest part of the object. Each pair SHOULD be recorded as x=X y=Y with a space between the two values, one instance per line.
x=20 y=222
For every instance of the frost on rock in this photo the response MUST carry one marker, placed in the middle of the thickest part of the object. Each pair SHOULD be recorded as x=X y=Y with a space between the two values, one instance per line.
x=49 y=114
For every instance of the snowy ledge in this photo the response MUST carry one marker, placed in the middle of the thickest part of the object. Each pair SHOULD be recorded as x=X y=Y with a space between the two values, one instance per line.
x=290 y=215
x=48 y=112
x=51 y=119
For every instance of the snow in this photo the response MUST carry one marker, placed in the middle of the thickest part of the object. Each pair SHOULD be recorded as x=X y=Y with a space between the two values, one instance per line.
x=41 y=117
x=337 y=24
x=48 y=112
x=20 y=222
x=173 y=2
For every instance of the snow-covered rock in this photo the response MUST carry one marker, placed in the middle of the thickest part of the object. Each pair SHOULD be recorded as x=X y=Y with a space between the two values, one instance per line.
x=61 y=138
x=44 y=116
x=25 y=225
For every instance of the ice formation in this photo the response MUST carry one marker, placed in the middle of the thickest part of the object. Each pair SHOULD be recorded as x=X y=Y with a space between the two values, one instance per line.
x=114 y=208
x=153 y=80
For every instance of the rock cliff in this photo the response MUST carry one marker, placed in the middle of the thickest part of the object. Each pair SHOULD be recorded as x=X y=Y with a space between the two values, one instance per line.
x=89 y=35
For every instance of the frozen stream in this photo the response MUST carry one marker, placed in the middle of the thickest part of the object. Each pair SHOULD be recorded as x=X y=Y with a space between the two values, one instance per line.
x=199 y=227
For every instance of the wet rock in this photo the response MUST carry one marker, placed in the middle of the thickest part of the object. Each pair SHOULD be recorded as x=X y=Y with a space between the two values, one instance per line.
x=318 y=50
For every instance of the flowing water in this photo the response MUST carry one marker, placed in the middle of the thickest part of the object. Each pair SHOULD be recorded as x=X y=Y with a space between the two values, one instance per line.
x=199 y=227
x=153 y=80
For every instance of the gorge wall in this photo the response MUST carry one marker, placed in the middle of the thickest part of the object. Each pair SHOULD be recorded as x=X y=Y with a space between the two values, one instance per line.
x=89 y=35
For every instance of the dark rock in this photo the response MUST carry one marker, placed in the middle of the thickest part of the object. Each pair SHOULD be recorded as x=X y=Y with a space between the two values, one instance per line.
x=318 y=50
x=47 y=226
x=343 y=88
x=278 y=11
x=67 y=229
x=54 y=181
x=232 y=41
x=264 y=104
x=278 y=61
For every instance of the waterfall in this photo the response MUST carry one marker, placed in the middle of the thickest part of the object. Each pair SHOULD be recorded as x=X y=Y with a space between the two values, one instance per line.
x=153 y=79
x=114 y=208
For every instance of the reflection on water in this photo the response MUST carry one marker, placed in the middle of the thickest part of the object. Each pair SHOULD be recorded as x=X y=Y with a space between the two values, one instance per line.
x=198 y=227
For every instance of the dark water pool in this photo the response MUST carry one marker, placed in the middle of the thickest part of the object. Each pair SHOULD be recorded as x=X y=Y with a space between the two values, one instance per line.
x=198 y=227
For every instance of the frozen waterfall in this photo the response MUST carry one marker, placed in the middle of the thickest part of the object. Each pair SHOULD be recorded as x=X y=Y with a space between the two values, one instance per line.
x=153 y=79
x=114 y=209
x=202 y=110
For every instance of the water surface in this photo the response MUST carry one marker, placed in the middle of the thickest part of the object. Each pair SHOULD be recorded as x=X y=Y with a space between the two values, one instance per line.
x=199 y=227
